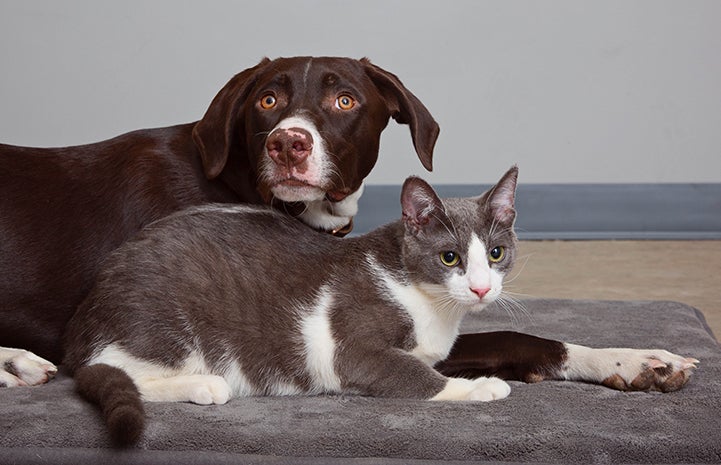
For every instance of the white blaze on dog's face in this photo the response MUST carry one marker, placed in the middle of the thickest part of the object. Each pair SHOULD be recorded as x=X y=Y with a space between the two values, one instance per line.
x=297 y=165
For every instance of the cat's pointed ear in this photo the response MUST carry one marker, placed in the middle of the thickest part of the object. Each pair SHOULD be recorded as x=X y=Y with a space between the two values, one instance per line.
x=500 y=200
x=420 y=204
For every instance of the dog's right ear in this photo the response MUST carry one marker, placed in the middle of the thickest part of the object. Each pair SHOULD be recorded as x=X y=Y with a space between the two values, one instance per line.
x=406 y=109
x=213 y=135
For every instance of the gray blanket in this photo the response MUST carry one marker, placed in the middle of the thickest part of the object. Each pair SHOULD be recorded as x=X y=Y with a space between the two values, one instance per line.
x=554 y=422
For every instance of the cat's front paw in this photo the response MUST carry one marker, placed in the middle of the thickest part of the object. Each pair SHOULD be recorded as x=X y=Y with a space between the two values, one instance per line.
x=22 y=368
x=488 y=389
x=208 y=390
x=479 y=389
x=644 y=370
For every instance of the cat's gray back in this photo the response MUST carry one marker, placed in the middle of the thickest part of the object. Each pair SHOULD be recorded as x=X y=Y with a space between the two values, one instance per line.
x=239 y=283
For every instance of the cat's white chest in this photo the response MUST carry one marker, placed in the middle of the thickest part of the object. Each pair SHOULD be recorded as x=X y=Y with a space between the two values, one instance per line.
x=434 y=331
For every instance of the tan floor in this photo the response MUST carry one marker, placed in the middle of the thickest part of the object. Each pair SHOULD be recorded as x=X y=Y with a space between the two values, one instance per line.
x=684 y=271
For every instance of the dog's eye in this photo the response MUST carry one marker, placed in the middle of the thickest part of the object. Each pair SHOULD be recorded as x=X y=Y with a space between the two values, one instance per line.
x=268 y=101
x=450 y=258
x=344 y=102
x=497 y=254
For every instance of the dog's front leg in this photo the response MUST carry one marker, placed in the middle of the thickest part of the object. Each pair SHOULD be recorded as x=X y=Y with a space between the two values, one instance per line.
x=628 y=369
x=516 y=356
x=22 y=368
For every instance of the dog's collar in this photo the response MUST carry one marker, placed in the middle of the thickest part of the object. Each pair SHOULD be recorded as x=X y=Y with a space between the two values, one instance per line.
x=296 y=209
x=342 y=232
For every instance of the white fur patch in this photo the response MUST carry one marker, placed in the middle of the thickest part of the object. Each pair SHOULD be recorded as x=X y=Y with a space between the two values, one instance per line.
x=480 y=389
x=236 y=379
x=327 y=215
x=317 y=168
x=435 y=329
x=478 y=275
x=27 y=368
x=596 y=365
x=191 y=382
x=198 y=389
x=320 y=345
x=316 y=171
x=283 y=388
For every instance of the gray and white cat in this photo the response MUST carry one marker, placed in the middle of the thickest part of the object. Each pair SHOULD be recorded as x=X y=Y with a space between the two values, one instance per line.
x=223 y=301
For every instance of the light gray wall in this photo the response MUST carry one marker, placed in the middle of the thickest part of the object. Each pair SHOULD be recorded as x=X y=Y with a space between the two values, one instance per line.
x=573 y=91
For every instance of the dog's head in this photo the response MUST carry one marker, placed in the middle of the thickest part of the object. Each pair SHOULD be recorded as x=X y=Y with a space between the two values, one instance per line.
x=309 y=129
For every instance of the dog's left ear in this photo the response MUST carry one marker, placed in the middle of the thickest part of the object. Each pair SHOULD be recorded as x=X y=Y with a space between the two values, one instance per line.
x=213 y=135
x=406 y=109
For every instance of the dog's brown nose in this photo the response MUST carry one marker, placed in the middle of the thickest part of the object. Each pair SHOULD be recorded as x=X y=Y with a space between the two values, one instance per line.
x=289 y=147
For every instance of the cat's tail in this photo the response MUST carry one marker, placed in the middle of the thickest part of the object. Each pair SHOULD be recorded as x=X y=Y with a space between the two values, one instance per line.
x=112 y=390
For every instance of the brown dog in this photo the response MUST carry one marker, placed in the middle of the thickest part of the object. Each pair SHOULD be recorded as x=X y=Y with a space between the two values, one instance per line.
x=300 y=133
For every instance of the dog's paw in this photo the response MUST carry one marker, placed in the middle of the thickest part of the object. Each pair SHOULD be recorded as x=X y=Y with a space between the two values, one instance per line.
x=22 y=368
x=479 y=389
x=644 y=370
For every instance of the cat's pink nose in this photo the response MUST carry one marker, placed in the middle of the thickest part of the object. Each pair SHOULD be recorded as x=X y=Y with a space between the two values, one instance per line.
x=480 y=291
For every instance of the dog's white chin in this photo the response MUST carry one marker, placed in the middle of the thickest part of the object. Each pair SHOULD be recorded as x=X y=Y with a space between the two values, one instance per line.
x=297 y=193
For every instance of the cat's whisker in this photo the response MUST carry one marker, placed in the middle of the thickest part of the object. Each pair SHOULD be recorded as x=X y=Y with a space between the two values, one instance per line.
x=493 y=232
x=444 y=302
x=521 y=295
x=521 y=306
x=523 y=260
x=511 y=306
x=505 y=307
x=453 y=233
x=334 y=172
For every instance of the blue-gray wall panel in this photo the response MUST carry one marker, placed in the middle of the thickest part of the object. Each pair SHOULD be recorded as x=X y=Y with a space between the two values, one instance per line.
x=584 y=211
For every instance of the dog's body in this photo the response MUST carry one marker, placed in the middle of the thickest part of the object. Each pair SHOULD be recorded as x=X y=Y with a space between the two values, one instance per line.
x=300 y=133
x=63 y=210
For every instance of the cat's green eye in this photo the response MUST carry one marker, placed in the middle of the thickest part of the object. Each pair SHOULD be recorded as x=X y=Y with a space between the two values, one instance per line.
x=496 y=254
x=450 y=258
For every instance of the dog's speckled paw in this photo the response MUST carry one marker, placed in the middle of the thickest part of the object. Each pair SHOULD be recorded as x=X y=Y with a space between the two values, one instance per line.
x=657 y=370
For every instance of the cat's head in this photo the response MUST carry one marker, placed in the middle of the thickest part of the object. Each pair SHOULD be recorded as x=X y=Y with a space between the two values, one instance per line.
x=459 y=250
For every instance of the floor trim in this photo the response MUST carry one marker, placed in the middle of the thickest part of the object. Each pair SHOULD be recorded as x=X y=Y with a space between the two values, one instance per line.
x=583 y=211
